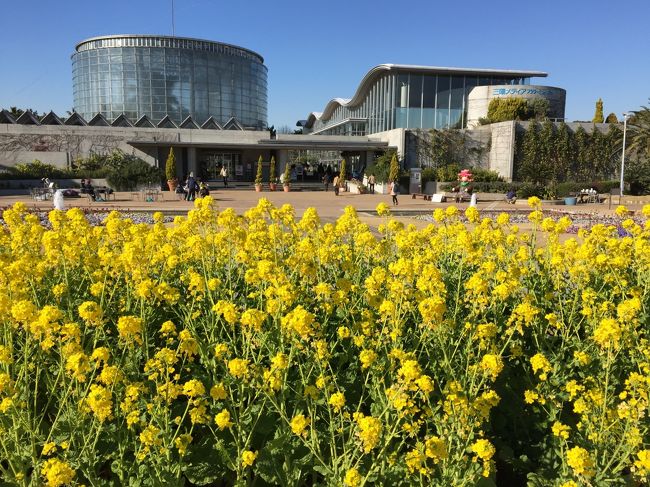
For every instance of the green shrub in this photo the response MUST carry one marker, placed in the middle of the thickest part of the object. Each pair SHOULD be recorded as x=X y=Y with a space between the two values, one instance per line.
x=485 y=175
x=428 y=174
x=526 y=190
x=565 y=189
x=132 y=173
x=448 y=172
x=485 y=186
x=37 y=170
x=380 y=168
x=502 y=109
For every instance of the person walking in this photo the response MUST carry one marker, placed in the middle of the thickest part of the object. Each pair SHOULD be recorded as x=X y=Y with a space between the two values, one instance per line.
x=335 y=183
x=394 y=191
x=371 y=184
x=224 y=174
x=326 y=181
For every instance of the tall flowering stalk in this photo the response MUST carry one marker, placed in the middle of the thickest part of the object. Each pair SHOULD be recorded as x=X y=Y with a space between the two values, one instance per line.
x=265 y=348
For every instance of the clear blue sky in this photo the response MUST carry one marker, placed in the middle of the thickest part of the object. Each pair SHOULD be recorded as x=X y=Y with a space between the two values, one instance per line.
x=316 y=51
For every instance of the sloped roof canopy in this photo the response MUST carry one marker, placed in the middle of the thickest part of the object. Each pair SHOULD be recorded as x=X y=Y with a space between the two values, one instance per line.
x=189 y=123
x=28 y=118
x=144 y=121
x=99 y=121
x=376 y=72
x=167 y=123
x=122 y=121
x=211 y=124
x=233 y=124
x=51 y=119
x=6 y=117
x=75 y=119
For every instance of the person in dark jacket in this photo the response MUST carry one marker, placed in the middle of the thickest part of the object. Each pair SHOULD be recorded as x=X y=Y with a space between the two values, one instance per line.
x=191 y=187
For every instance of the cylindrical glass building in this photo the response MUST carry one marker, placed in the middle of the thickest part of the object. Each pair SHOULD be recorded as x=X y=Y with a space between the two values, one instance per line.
x=156 y=76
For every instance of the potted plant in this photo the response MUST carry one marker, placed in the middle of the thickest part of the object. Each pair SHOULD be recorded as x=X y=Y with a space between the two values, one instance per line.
x=286 y=178
x=273 y=179
x=170 y=170
x=258 y=177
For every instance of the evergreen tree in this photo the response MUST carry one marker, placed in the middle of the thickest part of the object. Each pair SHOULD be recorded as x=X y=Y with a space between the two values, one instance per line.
x=597 y=154
x=611 y=118
x=598 y=116
x=546 y=154
x=342 y=174
x=258 y=176
x=579 y=168
x=394 y=169
x=564 y=154
x=170 y=165
x=272 y=176
x=530 y=154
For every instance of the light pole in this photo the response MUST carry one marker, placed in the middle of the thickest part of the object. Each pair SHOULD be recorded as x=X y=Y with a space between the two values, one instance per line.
x=625 y=117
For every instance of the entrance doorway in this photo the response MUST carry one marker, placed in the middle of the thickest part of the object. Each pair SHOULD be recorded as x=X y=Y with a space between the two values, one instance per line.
x=212 y=162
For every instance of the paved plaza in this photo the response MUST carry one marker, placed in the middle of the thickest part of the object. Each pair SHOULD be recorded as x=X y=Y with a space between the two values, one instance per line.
x=329 y=206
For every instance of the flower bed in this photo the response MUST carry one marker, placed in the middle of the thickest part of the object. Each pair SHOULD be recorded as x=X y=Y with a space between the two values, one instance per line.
x=230 y=349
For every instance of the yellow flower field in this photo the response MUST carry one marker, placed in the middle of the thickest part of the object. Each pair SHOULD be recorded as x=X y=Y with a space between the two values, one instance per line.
x=262 y=349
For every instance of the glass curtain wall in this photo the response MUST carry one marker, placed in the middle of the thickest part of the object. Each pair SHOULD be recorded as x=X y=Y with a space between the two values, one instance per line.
x=174 y=81
x=412 y=100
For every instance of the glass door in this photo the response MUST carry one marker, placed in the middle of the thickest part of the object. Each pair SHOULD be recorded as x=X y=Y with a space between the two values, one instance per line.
x=214 y=161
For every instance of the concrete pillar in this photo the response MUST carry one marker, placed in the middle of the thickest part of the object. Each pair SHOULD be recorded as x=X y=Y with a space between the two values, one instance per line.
x=191 y=161
x=281 y=160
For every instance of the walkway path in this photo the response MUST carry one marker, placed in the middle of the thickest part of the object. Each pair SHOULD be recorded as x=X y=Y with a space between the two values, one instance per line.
x=329 y=207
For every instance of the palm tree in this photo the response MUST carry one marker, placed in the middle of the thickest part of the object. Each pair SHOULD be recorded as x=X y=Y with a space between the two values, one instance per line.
x=638 y=129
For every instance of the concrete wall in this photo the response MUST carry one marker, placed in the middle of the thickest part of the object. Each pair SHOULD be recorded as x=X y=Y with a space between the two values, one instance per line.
x=395 y=138
x=502 y=148
x=59 y=145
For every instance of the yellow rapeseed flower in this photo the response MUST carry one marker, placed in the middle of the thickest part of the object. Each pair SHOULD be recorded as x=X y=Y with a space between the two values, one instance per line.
x=57 y=472
x=579 y=460
x=299 y=424
x=248 y=458
x=352 y=477
x=222 y=419
x=337 y=401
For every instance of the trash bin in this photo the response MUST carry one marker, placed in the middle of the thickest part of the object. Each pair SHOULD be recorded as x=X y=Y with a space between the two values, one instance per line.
x=570 y=201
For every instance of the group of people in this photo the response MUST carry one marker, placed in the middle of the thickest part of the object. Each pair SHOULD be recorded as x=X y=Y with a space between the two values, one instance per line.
x=337 y=182
x=88 y=188
x=192 y=187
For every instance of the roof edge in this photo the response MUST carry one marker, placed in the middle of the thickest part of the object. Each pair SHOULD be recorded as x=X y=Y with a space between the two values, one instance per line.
x=149 y=36
x=376 y=71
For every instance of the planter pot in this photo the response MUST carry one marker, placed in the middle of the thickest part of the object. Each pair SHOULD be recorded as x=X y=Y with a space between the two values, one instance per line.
x=273 y=186
x=172 y=184
x=258 y=188
x=286 y=188
x=570 y=201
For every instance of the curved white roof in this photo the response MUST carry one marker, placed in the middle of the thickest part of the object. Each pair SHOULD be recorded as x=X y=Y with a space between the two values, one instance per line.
x=374 y=73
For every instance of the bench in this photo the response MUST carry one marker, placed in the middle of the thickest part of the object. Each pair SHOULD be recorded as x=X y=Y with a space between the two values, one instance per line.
x=458 y=197
x=426 y=197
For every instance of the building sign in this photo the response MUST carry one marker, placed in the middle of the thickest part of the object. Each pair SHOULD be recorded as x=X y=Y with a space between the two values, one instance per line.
x=521 y=91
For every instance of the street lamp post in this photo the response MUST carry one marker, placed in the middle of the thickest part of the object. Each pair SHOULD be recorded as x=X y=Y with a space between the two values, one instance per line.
x=625 y=117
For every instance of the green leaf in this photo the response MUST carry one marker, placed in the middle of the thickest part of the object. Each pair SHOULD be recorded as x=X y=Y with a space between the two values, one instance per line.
x=206 y=462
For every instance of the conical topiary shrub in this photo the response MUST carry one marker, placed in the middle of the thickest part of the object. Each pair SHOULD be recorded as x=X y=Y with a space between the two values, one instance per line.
x=258 y=177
